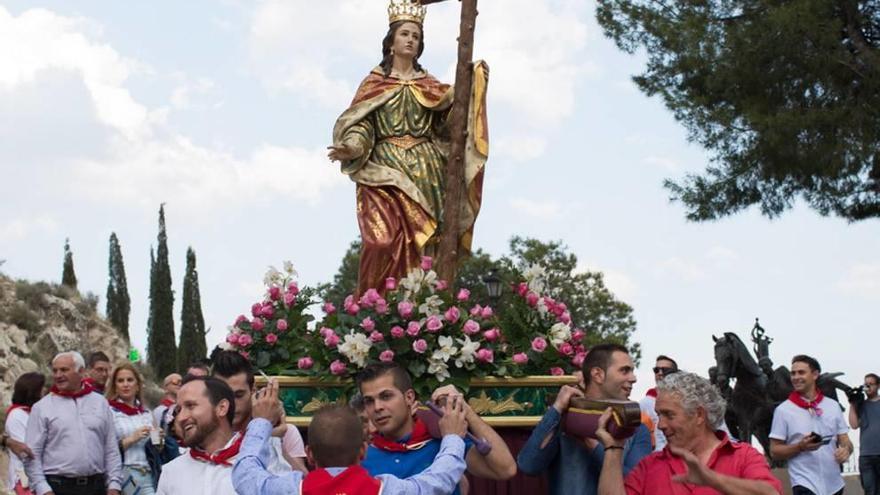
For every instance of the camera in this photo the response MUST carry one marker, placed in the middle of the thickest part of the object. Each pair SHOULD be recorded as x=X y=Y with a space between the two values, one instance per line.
x=856 y=395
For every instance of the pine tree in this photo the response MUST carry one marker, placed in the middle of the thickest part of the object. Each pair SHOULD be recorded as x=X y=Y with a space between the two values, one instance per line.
x=161 y=344
x=118 y=301
x=68 y=276
x=192 y=324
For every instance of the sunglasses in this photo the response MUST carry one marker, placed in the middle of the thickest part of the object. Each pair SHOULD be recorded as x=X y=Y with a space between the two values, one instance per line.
x=663 y=371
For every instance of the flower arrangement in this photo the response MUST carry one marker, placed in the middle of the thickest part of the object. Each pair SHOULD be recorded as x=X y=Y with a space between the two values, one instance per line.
x=438 y=334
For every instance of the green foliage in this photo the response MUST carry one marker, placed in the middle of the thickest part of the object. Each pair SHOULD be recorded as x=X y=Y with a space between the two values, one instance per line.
x=88 y=304
x=118 y=300
x=68 y=276
x=192 y=346
x=784 y=95
x=345 y=280
x=31 y=293
x=161 y=344
x=21 y=315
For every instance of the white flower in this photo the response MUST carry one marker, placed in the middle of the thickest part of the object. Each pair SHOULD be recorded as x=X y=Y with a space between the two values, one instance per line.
x=541 y=307
x=439 y=369
x=534 y=276
x=288 y=268
x=226 y=346
x=447 y=349
x=356 y=347
x=273 y=277
x=412 y=283
x=431 y=306
x=468 y=349
x=559 y=333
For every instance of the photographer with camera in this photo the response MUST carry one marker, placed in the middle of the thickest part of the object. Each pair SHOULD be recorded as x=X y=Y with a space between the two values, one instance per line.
x=864 y=414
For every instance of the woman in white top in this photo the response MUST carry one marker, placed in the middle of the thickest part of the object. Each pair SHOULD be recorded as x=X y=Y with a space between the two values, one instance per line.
x=134 y=423
x=28 y=390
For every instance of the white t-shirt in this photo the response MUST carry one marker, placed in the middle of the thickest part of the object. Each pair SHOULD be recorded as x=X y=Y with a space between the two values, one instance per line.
x=16 y=427
x=817 y=471
x=188 y=476
x=647 y=405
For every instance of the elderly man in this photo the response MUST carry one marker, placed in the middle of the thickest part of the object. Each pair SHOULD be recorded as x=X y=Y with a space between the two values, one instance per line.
x=72 y=436
x=162 y=412
x=690 y=411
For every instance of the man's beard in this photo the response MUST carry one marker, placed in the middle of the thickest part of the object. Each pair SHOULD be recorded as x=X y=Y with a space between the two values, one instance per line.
x=202 y=432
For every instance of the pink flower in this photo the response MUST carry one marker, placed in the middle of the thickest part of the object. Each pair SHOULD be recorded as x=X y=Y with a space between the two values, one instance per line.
x=245 y=340
x=324 y=331
x=520 y=358
x=427 y=262
x=376 y=336
x=268 y=311
x=487 y=312
x=370 y=297
x=420 y=346
x=413 y=328
x=452 y=314
x=477 y=310
x=382 y=306
x=281 y=325
x=305 y=363
x=522 y=289
x=434 y=324
x=565 y=317
x=386 y=356
x=293 y=289
x=470 y=327
x=337 y=367
x=485 y=355
x=289 y=299
x=257 y=309
x=271 y=338
x=532 y=299
x=441 y=285
x=463 y=295
x=257 y=324
x=241 y=319
x=557 y=371
x=397 y=332
x=539 y=344
x=245 y=354
x=390 y=283
x=232 y=338
x=350 y=306
x=274 y=293
x=368 y=324
x=578 y=335
x=578 y=359
x=566 y=349
x=331 y=340
x=492 y=335
x=405 y=309
x=328 y=308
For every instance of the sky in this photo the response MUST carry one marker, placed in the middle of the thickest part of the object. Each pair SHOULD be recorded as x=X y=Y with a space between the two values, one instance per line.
x=222 y=110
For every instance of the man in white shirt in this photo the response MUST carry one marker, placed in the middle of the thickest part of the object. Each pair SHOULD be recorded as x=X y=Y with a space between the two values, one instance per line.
x=207 y=407
x=663 y=366
x=810 y=432
x=162 y=413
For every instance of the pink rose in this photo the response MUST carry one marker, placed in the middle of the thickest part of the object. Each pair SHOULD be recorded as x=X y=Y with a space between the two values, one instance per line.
x=565 y=317
x=337 y=367
x=328 y=308
x=532 y=299
x=441 y=285
x=413 y=328
x=420 y=346
x=390 y=283
x=405 y=309
x=257 y=324
x=331 y=340
x=281 y=325
x=477 y=310
x=257 y=309
x=520 y=358
x=370 y=297
x=485 y=355
x=324 y=331
x=434 y=324
x=578 y=359
x=539 y=344
x=271 y=338
x=245 y=340
x=268 y=311
x=368 y=324
x=562 y=306
x=557 y=371
x=232 y=338
x=293 y=289
x=522 y=289
x=452 y=314
x=241 y=319
x=397 y=332
x=386 y=356
x=382 y=306
x=350 y=306
x=376 y=337
x=305 y=363
x=427 y=262
x=566 y=349
x=289 y=299
x=274 y=293
x=578 y=335
x=492 y=335
x=245 y=354
x=463 y=295
x=470 y=327
x=487 y=312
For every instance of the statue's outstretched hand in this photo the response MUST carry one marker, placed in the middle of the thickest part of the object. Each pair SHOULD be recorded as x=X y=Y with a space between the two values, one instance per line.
x=342 y=153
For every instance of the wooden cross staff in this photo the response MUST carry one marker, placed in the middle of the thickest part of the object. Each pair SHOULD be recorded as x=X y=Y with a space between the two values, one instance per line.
x=455 y=195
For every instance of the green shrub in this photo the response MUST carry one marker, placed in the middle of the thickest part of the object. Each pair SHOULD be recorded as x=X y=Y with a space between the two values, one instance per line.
x=21 y=316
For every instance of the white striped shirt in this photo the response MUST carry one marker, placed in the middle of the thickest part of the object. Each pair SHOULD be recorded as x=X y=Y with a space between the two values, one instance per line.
x=125 y=425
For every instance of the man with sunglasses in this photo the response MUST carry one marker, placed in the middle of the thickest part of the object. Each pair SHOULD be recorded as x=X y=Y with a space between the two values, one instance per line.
x=864 y=414
x=663 y=366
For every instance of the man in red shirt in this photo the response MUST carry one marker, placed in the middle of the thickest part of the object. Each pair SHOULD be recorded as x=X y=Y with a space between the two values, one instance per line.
x=698 y=459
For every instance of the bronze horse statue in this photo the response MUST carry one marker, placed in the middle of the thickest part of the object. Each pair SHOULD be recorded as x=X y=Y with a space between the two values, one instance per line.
x=758 y=389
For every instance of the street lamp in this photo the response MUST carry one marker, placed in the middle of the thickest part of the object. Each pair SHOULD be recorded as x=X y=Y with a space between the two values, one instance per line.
x=493 y=284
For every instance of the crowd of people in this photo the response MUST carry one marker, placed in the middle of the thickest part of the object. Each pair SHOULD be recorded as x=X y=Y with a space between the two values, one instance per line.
x=214 y=433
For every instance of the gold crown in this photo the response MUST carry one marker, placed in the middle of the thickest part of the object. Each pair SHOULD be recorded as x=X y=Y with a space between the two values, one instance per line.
x=406 y=10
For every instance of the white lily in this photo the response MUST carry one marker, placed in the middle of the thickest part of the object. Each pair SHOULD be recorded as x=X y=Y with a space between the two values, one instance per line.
x=431 y=306
x=466 y=354
x=447 y=349
x=356 y=347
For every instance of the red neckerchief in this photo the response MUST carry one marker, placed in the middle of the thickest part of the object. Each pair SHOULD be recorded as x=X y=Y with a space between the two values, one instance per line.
x=94 y=385
x=14 y=406
x=419 y=437
x=167 y=402
x=125 y=408
x=221 y=457
x=652 y=392
x=354 y=480
x=812 y=406
x=85 y=390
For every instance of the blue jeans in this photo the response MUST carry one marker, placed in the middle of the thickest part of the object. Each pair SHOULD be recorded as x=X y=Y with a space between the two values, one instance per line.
x=869 y=471
x=137 y=482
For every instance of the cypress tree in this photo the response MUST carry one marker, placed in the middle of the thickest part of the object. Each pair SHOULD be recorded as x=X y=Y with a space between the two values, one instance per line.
x=192 y=324
x=68 y=276
x=161 y=344
x=118 y=301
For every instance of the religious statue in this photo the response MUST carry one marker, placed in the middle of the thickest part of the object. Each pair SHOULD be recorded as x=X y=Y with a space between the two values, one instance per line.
x=393 y=141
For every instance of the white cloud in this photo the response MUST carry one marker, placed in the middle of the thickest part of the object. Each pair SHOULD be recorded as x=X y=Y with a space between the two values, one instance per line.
x=676 y=267
x=667 y=164
x=721 y=256
x=519 y=148
x=621 y=284
x=20 y=228
x=198 y=93
x=542 y=210
x=862 y=279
